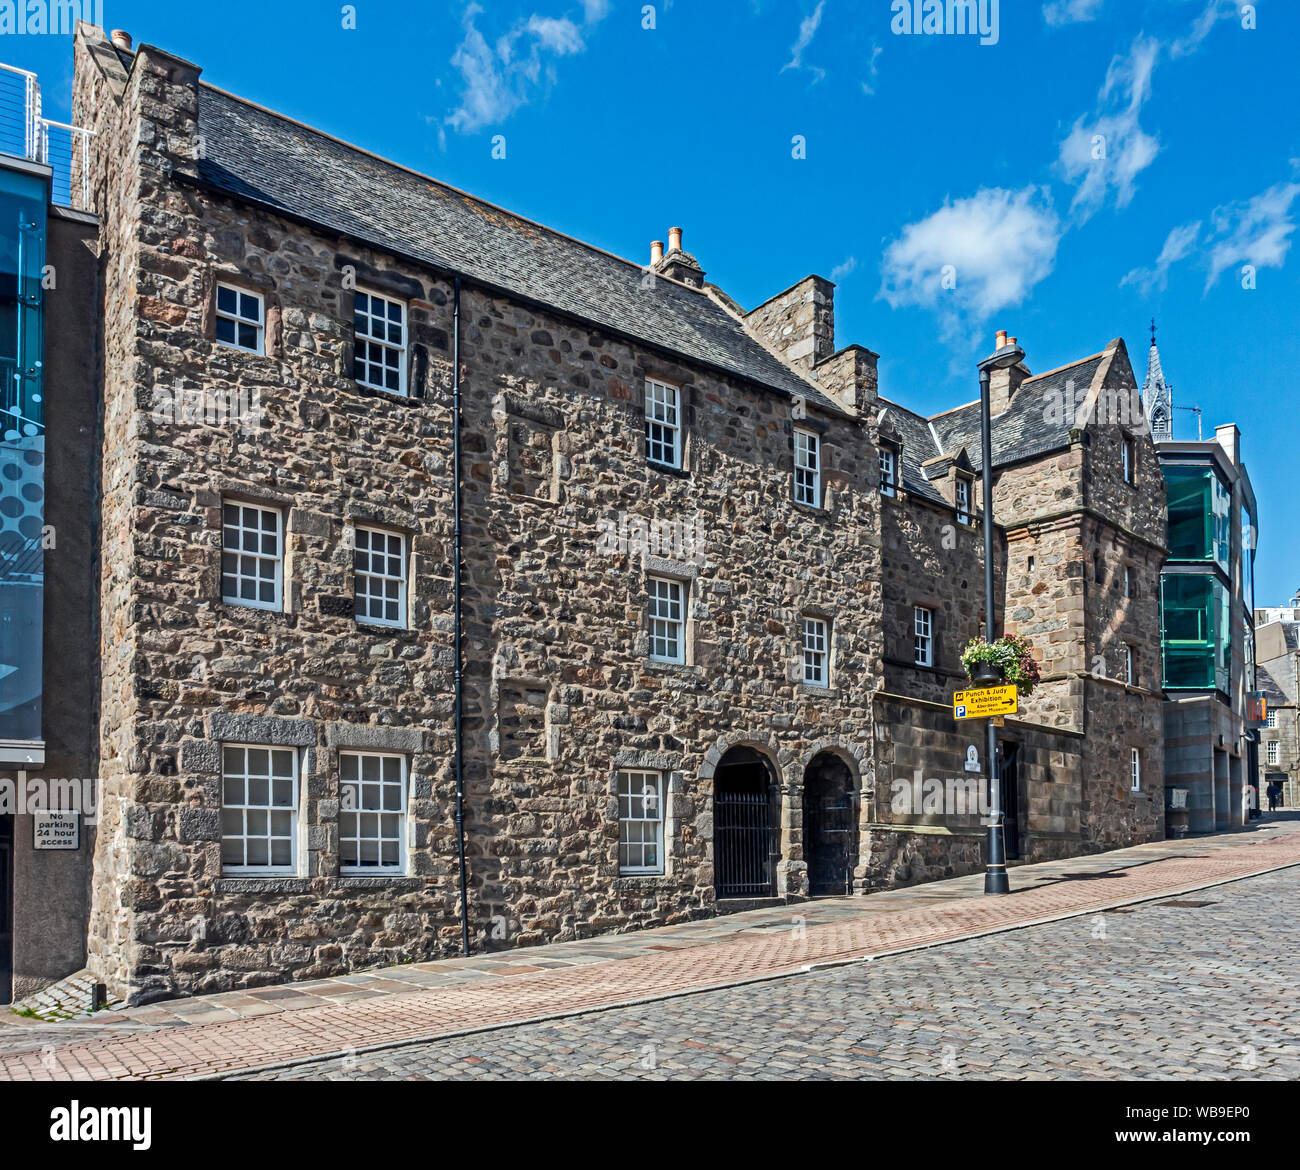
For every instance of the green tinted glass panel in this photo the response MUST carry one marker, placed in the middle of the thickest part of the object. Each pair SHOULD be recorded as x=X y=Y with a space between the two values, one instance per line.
x=1196 y=640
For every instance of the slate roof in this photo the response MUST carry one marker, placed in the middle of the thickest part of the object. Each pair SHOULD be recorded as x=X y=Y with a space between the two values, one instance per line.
x=918 y=446
x=255 y=154
x=1024 y=429
x=1273 y=692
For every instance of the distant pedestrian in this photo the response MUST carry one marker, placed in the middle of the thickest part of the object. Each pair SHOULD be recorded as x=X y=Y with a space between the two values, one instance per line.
x=1252 y=802
x=1274 y=795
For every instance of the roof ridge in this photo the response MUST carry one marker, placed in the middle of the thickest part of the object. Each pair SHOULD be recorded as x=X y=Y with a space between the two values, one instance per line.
x=641 y=268
x=1068 y=365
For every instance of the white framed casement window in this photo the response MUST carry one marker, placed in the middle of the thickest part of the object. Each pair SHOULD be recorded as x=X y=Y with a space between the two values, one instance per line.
x=1270 y=720
x=888 y=471
x=640 y=822
x=1126 y=652
x=240 y=319
x=379 y=575
x=1128 y=580
x=1128 y=459
x=1273 y=750
x=963 y=500
x=372 y=813
x=922 y=636
x=259 y=809
x=807 y=468
x=816 y=652
x=667 y=612
x=663 y=423
x=252 y=555
x=1135 y=769
x=379 y=344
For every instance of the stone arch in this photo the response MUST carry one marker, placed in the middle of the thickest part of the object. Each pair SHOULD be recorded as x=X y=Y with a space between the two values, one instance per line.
x=855 y=755
x=743 y=801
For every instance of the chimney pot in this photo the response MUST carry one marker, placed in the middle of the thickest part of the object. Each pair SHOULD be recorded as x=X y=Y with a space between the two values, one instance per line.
x=121 y=39
x=674 y=239
x=656 y=251
x=1000 y=340
x=1011 y=341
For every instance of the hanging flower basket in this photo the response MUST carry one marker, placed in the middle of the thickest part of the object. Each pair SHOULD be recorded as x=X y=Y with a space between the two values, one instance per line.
x=1008 y=660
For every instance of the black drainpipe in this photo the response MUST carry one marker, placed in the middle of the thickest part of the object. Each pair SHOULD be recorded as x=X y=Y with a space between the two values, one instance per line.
x=460 y=682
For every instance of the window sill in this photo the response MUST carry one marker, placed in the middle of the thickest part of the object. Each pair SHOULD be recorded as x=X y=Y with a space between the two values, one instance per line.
x=395 y=396
x=812 y=690
x=375 y=881
x=683 y=668
x=270 y=883
x=668 y=469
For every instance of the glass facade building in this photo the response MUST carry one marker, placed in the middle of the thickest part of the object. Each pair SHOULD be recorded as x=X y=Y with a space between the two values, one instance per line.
x=23 y=201
x=1196 y=601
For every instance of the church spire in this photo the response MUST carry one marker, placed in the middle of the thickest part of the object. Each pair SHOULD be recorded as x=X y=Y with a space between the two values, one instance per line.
x=1157 y=396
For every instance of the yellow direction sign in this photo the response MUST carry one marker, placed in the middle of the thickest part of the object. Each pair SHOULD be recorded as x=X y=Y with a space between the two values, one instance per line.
x=986 y=701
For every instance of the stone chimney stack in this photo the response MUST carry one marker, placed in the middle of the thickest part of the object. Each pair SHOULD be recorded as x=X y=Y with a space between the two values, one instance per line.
x=678 y=265
x=1003 y=384
x=798 y=325
x=1229 y=438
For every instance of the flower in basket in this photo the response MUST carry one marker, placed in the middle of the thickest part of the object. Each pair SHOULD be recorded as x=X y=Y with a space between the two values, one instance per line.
x=1011 y=656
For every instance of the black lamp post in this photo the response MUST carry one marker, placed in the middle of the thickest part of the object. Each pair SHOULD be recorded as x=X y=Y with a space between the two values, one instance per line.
x=995 y=876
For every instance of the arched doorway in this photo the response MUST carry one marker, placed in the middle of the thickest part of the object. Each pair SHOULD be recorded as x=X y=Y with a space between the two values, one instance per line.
x=746 y=841
x=830 y=825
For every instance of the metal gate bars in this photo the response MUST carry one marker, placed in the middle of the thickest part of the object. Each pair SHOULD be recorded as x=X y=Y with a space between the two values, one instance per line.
x=745 y=845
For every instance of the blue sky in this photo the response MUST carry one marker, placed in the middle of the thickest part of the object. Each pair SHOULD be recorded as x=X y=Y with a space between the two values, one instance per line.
x=1103 y=162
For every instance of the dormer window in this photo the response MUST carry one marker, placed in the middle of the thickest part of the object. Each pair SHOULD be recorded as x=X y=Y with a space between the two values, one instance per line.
x=888 y=470
x=963 y=500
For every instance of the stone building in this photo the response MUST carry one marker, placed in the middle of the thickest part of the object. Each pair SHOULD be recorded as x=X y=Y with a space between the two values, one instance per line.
x=713 y=586
x=1277 y=642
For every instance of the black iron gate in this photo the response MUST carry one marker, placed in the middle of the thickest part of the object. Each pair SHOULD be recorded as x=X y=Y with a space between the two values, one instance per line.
x=828 y=831
x=745 y=845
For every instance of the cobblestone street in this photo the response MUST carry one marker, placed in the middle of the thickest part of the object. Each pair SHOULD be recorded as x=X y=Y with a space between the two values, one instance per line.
x=1200 y=987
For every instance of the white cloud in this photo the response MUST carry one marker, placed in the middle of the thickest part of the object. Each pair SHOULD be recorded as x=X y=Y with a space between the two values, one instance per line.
x=496 y=80
x=560 y=36
x=841 y=270
x=869 y=86
x=1058 y=12
x=1257 y=232
x=973 y=257
x=807 y=30
x=1103 y=155
x=1178 y=246
x=1210 y=15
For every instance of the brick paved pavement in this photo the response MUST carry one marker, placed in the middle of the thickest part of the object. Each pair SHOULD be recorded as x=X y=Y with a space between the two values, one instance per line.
x=1196 y=988
x=221 y=1035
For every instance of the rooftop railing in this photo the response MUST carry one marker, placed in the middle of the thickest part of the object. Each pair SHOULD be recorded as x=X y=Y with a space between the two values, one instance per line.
x=25 y=132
